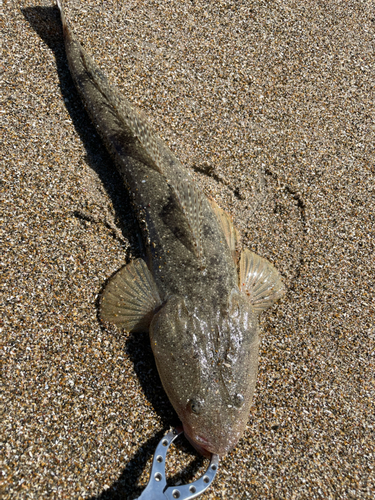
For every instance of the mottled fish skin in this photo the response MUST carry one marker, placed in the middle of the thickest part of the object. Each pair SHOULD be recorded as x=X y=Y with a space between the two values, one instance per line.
x=204 y=326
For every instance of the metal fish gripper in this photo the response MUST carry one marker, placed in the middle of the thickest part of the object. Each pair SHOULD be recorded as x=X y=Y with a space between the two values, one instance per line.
x=157 y=489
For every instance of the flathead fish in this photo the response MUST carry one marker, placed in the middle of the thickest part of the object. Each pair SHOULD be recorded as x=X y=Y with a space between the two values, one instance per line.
x=198 y=298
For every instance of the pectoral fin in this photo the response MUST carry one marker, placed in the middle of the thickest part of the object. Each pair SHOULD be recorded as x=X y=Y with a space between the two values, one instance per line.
x=260 y=281
x=130 y=298
x=230 y=232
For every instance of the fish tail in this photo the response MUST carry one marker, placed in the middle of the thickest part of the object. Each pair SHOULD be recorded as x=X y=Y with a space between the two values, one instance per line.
x=65 y=25
x=91 y=82
x=59 y=5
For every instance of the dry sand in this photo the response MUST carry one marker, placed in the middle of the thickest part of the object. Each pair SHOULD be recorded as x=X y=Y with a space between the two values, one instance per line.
x=271 y=105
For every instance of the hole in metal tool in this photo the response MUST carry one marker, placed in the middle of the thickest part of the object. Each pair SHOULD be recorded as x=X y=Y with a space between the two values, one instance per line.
x=165 y=442
x=206 y=479
x=159 y=459
x=158 y=476
x=176 y=494
x=213 y=467
x=192 y=489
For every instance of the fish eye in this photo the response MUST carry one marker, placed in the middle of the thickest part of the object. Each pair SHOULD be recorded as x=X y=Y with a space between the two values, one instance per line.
x=238 y=400
x=196 y=406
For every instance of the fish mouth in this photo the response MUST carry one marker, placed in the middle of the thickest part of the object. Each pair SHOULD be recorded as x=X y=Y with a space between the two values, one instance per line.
x=206 y=447
x=201 y=444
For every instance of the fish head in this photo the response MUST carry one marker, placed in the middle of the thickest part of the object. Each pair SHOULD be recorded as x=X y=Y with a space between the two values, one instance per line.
x=207 y=360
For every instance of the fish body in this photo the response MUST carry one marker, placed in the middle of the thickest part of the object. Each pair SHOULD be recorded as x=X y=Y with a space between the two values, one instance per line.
x=199 y=302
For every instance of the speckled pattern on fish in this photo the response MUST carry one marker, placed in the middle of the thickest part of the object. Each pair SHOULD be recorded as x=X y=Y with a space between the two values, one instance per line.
x=270 y=105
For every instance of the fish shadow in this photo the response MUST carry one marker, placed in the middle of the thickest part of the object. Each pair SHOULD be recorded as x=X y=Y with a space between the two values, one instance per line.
x=46 y=23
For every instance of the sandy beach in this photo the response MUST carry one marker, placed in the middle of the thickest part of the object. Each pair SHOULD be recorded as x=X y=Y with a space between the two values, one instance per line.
x=270 y=104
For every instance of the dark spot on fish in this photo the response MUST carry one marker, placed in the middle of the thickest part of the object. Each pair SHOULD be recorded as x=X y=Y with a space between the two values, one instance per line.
x=174 y=219
x=207 y=231
x=214 y=261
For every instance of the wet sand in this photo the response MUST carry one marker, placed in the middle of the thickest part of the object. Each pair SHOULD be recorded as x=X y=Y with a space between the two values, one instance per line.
x=271 y=106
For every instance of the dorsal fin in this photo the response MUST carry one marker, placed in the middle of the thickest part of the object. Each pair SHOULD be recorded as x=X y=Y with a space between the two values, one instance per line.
x=231 y=234
x=260 y=280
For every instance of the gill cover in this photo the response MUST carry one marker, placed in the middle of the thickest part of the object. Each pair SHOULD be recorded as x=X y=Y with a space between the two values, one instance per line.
x=175 y=349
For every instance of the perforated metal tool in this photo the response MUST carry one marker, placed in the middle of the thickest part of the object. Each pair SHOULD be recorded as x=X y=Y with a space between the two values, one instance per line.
x=157 y=486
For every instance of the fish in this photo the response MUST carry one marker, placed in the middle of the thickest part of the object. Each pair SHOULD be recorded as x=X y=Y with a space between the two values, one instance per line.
x=195 y=291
